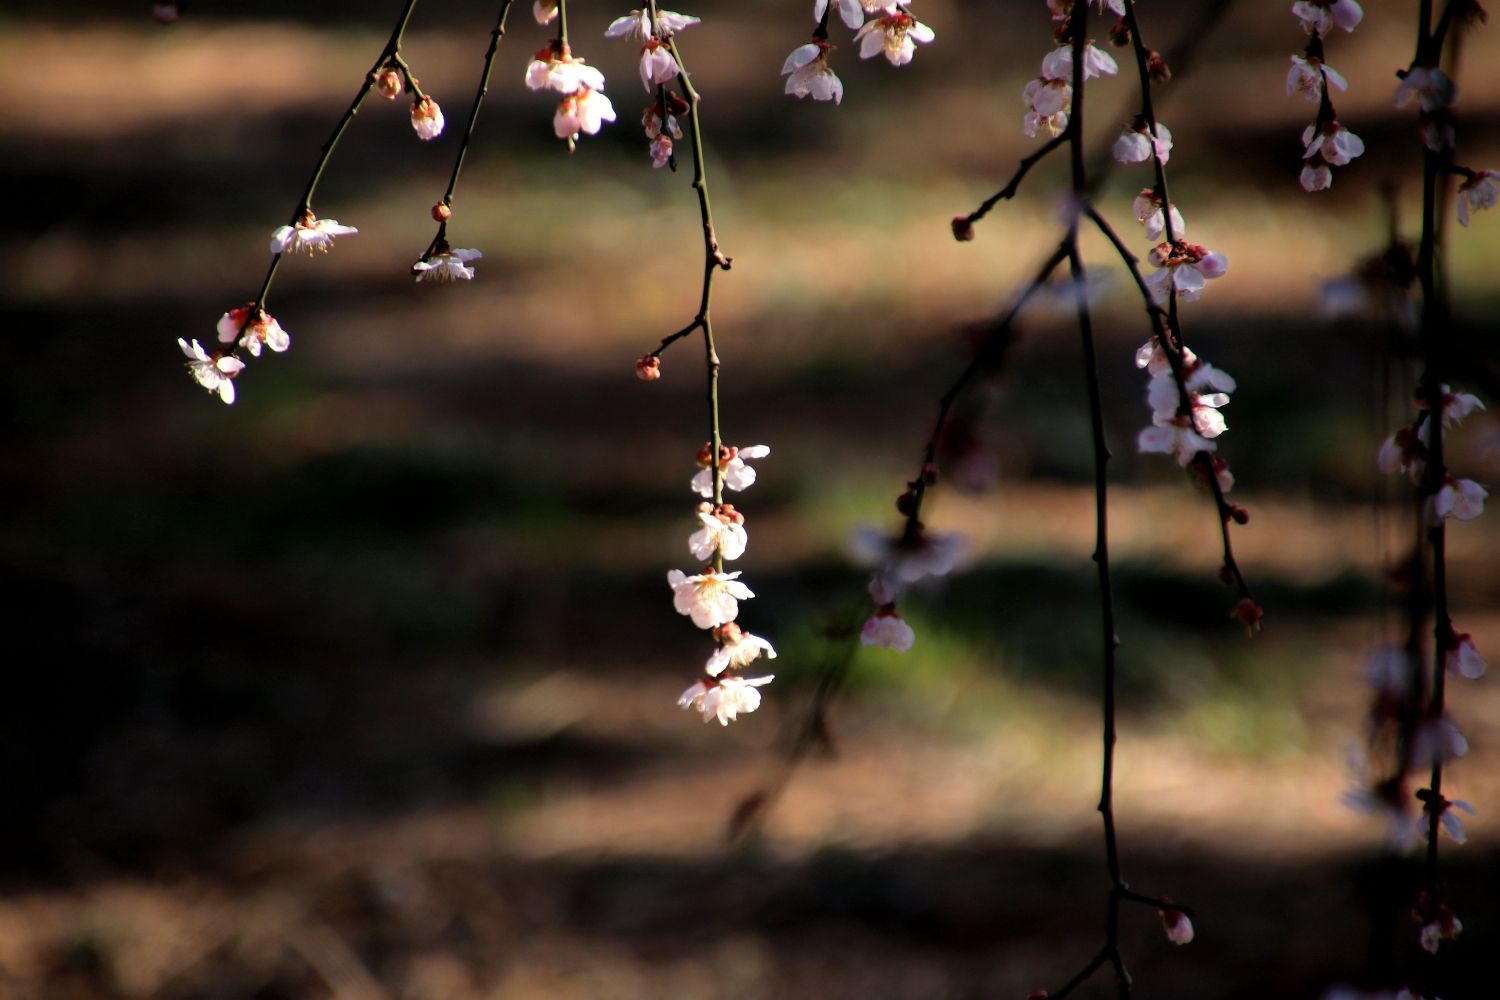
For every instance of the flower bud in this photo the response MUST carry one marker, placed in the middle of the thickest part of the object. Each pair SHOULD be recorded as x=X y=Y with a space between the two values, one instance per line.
x=963 y=229
x=1249 y=614
x=427 y=119
x=648 y=369
x=1119 y=34
x=1157 y=68
x=441 y=212
x=388 y=84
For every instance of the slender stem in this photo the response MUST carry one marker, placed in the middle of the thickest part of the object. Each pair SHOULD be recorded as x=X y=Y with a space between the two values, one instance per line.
x=304 y=205
x=562 y=26
x=1148 y=112
x=1014 y=185
x=497 y=33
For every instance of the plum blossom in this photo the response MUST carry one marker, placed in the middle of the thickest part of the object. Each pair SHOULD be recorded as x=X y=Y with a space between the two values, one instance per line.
x=1176 y=436
x=1058 y=64
x=807 y=72
x=309 y=235
x=1177 y=925
x=710 y=598
x=735 y=474
x=1451 y=824
x=1049 y=104
x=886 y=628
x=584 y=110
x=426 y=118
x=1315 y=177
x=1462 y=499
x=446 y=265
x=657 y=64
x=1439 y=924
x=214 y=373
x=1307 y=75
x=723 y=531
x=544 y=11
x=1148 y=212
x=851 y=12
x=1183 y=267
x=636 y=26
x=1437 y=740
x=1479 y=191
x=892 y=35
x=252 y=333
x=737 y=650
x=1135 y=146
x=1462 y=658
x=552 y=69
x=1317 y=15
x=1337 y=144
x=906 y=559
x=724 y=698
x=1432 y=88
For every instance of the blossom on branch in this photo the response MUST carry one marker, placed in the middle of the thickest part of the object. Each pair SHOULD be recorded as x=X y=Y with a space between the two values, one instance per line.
x=892 y=35
x=737 y=650
x=807 y=73
x=1479 y=191
x=724 y=698
x=309 y=235
x=1177 y=925
x=1048 y=103
x=912 y=556
x=214 y=372
x=1183 y=267
x=1317 y=16
x=1462 y=658
x=851 y=12
x=585 y=110
x=1462 y=499
x=1147 y=209
x=252 y=333
x=544 y=11
x=1336 y=144
x=1307 y=75
x=723 y=531
x=887 y=629
x=710 y=598
x=1135 y=145
x=1176 y=436
x=733 y=471
x=1432 y=88
x=554 y=69
x=427 y=119
x=446 y=265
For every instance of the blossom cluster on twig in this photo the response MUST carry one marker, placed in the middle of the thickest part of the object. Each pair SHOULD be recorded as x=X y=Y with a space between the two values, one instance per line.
x=890 y=30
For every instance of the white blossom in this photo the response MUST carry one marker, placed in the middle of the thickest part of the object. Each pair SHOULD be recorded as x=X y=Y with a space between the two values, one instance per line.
x=584 y=110
x=544 y=11
x=1337 y=144
x=446 y=265
x=710 y=598
x=562 y=73
x=726 y=537
x=214 y=374
x=1184 y=267
x=1463 y=658
x=893 y=36
x=657 y=64
x=1176 y=437
x=308 y=235
x=1315 y=177
x=1058 y=64
x=807 y=73
x=851 y=12
x=1177 y=925
x=725 y=698
x=1049 y=104
x=735 y=473
x=737 y=650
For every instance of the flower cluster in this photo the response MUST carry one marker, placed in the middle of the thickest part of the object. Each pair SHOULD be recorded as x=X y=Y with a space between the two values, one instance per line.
x=1325 y=143
x=1407 y=450
x=1183 y=268
x=583 y=107
x=891 y=31
x=659 y=67
x=1184 y=423
x=711 y=598
x=1048 y=99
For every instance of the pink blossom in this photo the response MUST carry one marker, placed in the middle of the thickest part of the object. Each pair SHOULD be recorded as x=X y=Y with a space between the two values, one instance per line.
x=1337 y=144
x=253 y=333
x=1463 y=658
x=1148 y=212
x=886 y=628
x=309 y=235
x=584 y=110
x=657 y=64
x=1135 y=146
x=213 y=372
x=661 y=151
x=1315 y=177
x=1462 y=499
x=559 y=71
x=737 y=650
x=851 y=12
x=1177 y=925
x=1317 y=15
x=1307 y=75
x=1058 y=64
x=1048 y=103
x=735 y=474
x=1183 y=267
x=544 y=11
x=710 y=598
x=1432 y=88
x=446 y=265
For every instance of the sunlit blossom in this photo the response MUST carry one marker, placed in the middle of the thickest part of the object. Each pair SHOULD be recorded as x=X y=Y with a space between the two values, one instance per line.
x=1183 y=267
x=427 y=119
x=893 y=36
x=1319 y=16
x=722 y=531
x=736 y=475
x=737 y=650
x=216 y=374
x=808 y=74
x=252 y=333
x=887 y=629
x=446 y=265
x=724 y=698
x=310 y=235
x=710 y=598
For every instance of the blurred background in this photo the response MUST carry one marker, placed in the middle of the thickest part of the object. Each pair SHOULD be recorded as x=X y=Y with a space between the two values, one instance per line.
x=364 y=686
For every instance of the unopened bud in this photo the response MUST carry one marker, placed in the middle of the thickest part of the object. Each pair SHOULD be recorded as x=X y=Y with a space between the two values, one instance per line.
x=906 y=503
x=388 y=84
x=675 y=104
x=1240 y=514
x=648 y=368
x=441 y=212
x=1119 y=34
x=963 y=228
